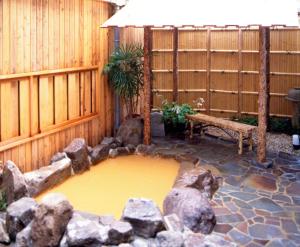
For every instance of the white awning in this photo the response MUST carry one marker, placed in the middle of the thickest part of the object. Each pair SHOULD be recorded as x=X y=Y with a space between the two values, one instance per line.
x=202 y=13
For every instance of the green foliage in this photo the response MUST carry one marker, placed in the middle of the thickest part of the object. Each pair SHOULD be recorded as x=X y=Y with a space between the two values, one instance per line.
x=125 y=71
x=174 y=114
x=248 y=120
x=3 y=204
x=277 y=125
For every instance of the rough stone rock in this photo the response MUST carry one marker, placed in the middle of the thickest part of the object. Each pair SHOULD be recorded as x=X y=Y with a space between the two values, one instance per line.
x=58 y=156
x=77 y=151
x=212 y=240
x=106 y=220
x=4 y=237
x=157 y=124
x=124 y=245
x=141 y=242
x=48 y=176
x=19 y=215
x=192 y=208
x=99 y=153
x=113 y=153
x=200 y=179
x=143 y=149
x=144 y=216
x=108 y=141
x=173 y=223
x=23 y=238
x=120 y=232
x=14 y=184
x=169 y=239
x=50 y=220
x=85 y=233
x=131 y=131
x=131 y=148
x=119 y=151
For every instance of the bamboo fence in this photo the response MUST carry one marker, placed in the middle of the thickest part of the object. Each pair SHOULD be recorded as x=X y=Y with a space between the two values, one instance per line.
x=222 y=67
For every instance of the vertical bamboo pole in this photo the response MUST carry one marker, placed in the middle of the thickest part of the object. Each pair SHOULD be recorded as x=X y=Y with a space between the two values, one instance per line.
x=208 y=68
x=175 y=64
x=147 y=85
x=263 y=95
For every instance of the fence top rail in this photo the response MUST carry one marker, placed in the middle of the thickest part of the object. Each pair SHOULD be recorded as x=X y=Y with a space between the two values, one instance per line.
x=46 y=73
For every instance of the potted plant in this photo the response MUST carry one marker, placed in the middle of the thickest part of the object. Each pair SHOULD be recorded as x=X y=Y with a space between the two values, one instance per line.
x=125 y=71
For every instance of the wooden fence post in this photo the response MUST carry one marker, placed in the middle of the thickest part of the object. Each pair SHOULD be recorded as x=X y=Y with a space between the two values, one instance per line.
x=263 y=94
x=147 y=85
x=175 y=64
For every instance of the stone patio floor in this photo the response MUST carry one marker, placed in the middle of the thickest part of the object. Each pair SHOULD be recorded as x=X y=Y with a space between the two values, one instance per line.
x=254 y=206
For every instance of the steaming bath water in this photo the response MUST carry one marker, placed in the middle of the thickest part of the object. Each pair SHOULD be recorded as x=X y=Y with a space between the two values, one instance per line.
x=107 y=186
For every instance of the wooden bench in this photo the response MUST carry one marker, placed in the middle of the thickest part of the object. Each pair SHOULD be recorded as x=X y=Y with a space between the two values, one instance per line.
x=245 y=131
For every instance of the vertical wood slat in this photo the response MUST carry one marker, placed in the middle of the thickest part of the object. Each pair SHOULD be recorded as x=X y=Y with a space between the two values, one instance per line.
x=263 y=98
x=175 y=64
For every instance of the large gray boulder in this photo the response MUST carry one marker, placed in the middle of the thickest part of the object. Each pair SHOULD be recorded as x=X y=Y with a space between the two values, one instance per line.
x=119 y=232
x=23 y=238
x=85 y=233
x=19 y=215
x=48 y=176
x=99 y=153
x=169 y=239
x=144 y=216
x=58 y=156
x=212 y=240
x=131 y=131
x=50 y=220
x=4 y=237
x=78 y=152
x=14 y=184
x=200 y=179
x=192 y=208
x=157 y=124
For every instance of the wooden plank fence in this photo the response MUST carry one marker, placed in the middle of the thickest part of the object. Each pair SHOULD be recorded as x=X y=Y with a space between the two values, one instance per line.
x=51 y=84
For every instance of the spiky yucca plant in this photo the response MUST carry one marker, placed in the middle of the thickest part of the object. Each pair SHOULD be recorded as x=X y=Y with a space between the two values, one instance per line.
x=125 y=71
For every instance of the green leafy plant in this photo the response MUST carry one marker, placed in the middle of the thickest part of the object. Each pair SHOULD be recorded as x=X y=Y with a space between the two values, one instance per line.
x=125 y=71
x=174 y=114
x=3 y=204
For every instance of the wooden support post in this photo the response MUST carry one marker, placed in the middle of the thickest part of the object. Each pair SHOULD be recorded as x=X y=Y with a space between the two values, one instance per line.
x=147 y=85
x=263 y=95
x=175 y=64
x=240 y=143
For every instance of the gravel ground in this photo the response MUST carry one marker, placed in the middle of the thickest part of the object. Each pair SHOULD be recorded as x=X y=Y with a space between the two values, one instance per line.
x=275 y=142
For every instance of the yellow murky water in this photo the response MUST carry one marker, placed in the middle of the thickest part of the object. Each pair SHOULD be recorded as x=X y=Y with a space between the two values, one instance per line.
x=107 y=186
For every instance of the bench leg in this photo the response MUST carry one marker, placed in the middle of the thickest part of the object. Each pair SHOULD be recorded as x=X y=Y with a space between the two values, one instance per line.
x=240 y=143
x=250 y=142
x=192 y=129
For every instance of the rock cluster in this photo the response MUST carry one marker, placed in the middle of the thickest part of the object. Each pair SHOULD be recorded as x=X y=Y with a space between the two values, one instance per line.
x=53 y=222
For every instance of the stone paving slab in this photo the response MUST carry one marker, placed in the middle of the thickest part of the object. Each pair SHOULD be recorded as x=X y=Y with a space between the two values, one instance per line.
x=254 y=206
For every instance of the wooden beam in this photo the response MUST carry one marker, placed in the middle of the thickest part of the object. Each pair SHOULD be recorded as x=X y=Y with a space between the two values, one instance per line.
x=175 y=64
x=264 y=90
x=147 y=85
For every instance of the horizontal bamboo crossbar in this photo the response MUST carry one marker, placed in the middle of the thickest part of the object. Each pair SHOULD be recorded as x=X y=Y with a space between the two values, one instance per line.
x=46 y=73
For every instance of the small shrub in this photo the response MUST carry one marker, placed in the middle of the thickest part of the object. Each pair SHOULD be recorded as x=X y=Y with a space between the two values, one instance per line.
x=3 y=203
x=276 y=124
x=174 y=114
